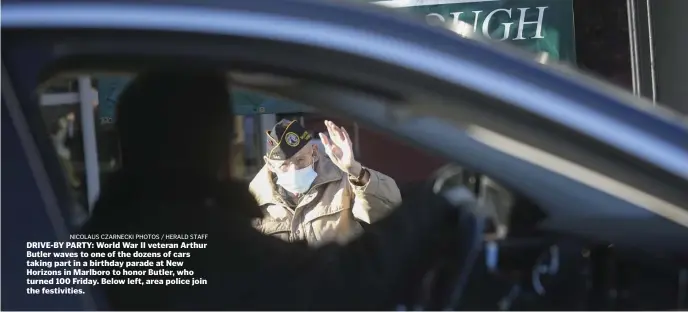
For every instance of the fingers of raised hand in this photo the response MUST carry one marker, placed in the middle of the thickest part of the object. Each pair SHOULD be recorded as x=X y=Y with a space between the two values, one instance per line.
x=332 y=130
x=346 y=135
x=326 y=143
x=337 y=134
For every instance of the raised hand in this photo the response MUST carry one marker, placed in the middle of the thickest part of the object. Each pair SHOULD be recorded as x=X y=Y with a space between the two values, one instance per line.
x=339 y=147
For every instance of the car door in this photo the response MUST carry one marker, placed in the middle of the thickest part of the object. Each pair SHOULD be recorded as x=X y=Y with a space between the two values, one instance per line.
x=508 y=118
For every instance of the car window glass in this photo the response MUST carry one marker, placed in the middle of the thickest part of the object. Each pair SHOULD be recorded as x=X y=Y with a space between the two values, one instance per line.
x=256 y=113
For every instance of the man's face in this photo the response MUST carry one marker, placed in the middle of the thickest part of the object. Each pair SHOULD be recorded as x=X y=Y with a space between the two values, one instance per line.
x=302 y=159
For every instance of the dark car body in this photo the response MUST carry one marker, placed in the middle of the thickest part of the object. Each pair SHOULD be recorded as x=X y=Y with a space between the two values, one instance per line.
x=601 y=164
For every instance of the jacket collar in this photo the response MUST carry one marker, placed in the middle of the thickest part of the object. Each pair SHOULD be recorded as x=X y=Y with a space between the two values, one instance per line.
x=264 y=188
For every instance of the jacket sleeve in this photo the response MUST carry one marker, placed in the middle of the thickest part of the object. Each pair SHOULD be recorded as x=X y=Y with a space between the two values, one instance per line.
x=376 y=199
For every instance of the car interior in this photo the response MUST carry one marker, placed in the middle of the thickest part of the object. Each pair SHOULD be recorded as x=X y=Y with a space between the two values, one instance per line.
x=524 y=263
x=567 y=225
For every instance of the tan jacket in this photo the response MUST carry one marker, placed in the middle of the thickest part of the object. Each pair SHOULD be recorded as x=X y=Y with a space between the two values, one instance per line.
x=325 y=211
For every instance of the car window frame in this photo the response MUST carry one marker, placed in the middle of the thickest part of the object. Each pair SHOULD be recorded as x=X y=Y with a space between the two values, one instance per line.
x=248 y=19
x=64 y=50
x=47 y=186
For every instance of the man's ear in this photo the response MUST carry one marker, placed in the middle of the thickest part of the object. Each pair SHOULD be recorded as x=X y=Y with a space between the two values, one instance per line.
x=316 y=150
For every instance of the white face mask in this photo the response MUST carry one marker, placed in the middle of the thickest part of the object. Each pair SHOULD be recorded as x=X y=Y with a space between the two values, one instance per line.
x=297 y=181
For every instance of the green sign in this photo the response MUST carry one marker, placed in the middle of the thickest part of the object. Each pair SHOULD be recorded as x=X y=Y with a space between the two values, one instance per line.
x=245 y=102
x=540 y=26
x=251 y=103
x=544 y=27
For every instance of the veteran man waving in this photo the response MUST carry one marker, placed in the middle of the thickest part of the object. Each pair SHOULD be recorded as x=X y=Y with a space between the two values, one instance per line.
x=306 y=196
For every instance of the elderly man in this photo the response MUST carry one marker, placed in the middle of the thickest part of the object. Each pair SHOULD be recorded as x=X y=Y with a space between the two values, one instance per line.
x=308 y=196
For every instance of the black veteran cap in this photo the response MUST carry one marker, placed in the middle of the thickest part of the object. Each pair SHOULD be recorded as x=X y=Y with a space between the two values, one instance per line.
x=285 y=139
